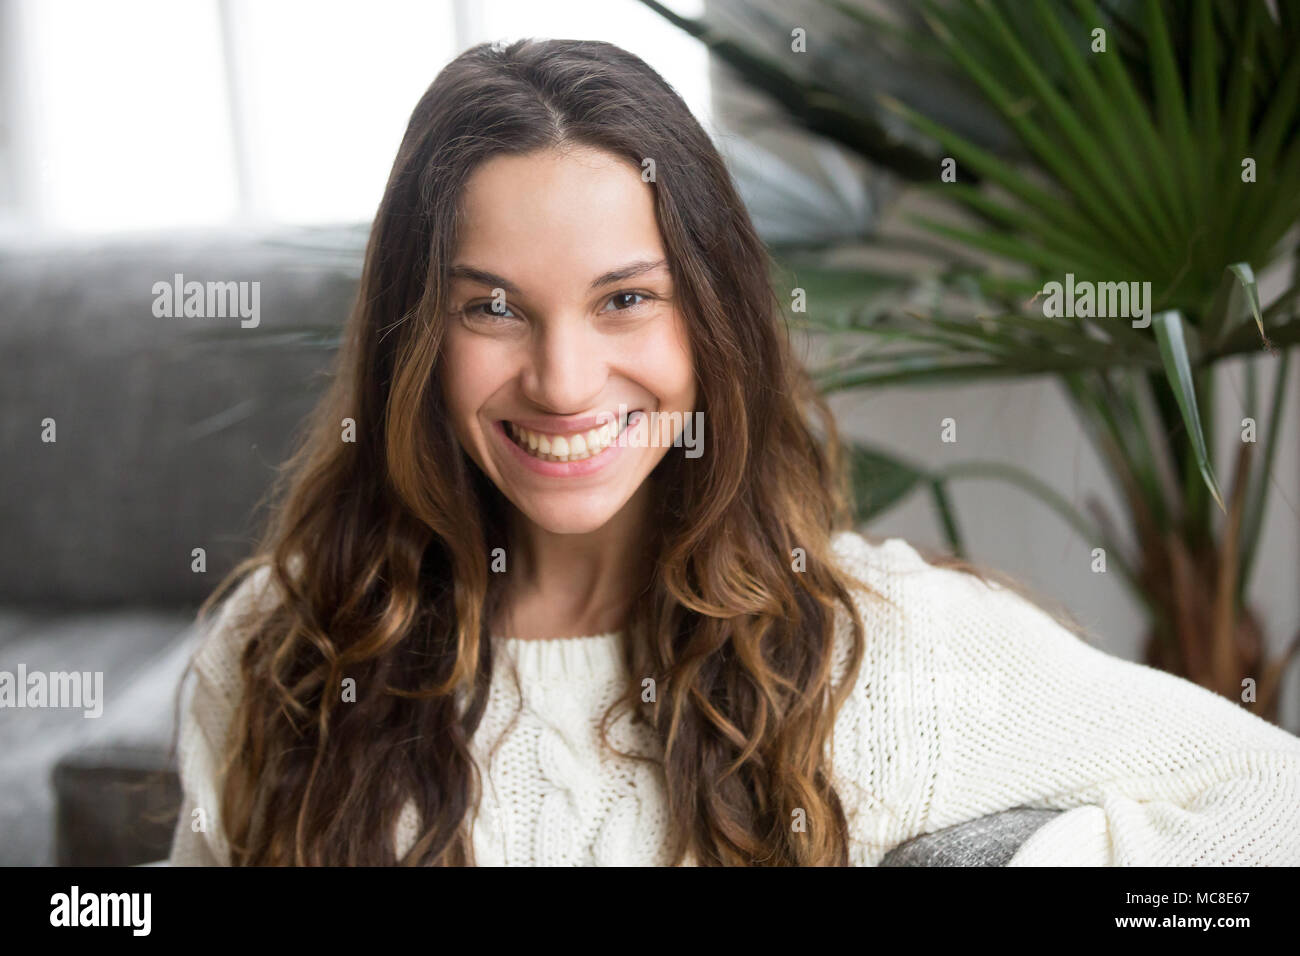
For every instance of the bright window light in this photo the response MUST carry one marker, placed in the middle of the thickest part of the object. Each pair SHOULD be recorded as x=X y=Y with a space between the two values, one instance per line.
x=148 y=114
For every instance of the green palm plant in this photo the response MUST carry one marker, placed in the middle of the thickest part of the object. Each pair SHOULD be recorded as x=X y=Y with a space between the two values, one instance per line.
x=1171 y=156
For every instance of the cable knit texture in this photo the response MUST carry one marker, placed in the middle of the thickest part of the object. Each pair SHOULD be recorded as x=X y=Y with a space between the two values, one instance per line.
x=970 y=701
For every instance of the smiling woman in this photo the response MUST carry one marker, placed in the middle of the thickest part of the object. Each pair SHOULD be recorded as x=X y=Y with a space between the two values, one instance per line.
x=554 y=235
x=687 y=634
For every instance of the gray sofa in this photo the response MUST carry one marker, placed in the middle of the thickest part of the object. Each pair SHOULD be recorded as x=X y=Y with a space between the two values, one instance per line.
x=167 y=434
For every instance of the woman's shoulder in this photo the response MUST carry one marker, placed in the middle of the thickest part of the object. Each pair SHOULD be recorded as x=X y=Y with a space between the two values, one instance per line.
x=935 y=587
x=883 y=575
x=916 y=607
x=889 y=568
x=875 y=557
x=225 y=629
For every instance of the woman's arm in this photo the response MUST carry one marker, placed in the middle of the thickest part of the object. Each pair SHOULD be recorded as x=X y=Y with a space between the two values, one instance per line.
x=1150 y=768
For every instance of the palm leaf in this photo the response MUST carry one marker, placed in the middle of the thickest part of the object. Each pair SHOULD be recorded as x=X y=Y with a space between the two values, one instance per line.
x=880 y=480
x=1178 y=369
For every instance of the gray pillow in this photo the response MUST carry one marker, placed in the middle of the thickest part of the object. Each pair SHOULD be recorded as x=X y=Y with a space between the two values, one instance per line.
x=988 y=841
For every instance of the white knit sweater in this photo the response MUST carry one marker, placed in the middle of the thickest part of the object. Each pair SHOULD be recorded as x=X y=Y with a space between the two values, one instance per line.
x=970 y=700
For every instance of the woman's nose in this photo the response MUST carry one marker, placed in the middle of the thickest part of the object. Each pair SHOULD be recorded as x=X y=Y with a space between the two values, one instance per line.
x=565 y=370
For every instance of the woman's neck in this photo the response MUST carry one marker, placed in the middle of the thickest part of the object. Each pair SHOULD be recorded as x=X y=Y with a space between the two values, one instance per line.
x=573 y=585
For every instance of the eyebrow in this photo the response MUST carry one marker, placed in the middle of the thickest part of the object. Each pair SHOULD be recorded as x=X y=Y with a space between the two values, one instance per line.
x=630 y=271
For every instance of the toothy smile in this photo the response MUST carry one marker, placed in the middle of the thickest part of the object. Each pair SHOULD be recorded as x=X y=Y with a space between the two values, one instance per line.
x=573 y=446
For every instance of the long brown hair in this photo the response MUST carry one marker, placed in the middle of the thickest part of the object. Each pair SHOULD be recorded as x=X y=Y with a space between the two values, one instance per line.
x=379 y=548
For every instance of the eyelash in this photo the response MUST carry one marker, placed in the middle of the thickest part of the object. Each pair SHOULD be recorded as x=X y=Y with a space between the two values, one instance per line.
x=470 y=309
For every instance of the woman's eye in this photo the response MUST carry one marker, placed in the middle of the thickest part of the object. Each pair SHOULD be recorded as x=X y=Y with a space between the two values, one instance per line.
x=488 y=310
x=622 y=297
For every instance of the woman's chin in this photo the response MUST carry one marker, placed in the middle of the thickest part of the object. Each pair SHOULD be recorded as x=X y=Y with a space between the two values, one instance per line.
x=583 y=520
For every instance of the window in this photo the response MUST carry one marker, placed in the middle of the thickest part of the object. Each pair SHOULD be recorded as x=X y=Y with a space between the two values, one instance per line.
x=151 y=114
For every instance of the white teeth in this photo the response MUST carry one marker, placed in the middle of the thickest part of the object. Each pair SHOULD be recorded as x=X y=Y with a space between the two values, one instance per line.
x=574 y=447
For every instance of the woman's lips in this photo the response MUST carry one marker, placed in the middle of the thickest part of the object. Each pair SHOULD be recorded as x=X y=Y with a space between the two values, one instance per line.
x=570 y=444
x=526 y=446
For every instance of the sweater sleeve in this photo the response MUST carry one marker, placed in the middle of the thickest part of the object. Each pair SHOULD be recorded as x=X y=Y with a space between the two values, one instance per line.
x=1150 y=769
x=205 y=723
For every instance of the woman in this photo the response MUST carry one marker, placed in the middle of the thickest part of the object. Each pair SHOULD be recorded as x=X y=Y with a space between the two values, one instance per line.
x=561 y=288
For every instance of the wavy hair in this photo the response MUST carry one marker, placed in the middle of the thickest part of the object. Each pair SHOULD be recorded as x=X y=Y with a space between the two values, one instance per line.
x=378 y=548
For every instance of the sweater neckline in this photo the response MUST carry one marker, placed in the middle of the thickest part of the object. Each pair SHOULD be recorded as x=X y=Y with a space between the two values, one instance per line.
x=586 y=656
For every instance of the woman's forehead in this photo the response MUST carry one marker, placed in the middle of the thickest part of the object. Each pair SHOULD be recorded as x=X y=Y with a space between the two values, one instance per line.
x=539 y=217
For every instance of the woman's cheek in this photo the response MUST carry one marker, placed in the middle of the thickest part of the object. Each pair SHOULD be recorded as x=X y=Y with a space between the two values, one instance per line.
x=470 y=365
x=665 y=358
